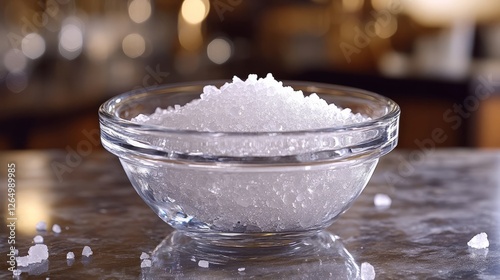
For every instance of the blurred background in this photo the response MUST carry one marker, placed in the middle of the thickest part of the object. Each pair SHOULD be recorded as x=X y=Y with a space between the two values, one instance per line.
x=60 y=59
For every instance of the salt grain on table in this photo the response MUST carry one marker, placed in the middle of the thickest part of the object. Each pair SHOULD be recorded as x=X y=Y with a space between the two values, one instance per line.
x=38 y=239
x=87 y=251
x=145 y=263
x=382 y=200
x=203 y=263
x=41 y=226
x=367 y=271
x=36 y=254
x=70 y=255
x=479 y=241
x=56 y=228
x=144 y=256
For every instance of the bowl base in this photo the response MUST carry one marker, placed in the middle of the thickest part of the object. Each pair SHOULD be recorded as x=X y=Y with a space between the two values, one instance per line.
x=318 y=256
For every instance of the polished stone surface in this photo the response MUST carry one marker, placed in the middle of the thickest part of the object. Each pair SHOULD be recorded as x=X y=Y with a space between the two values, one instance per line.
x=440 y=200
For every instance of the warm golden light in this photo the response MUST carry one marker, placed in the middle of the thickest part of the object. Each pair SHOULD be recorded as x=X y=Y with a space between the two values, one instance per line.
x=134 y=45
x=194 y=11
x=385 y=29
x=100 y=44
x=352 y=5
x=139 y=10
x=446 y=12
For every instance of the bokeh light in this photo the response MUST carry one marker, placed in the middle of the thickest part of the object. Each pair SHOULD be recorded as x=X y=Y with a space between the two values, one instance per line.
x=139 y=10
x=70 y=41
x=16 y=82
x=194 y=11
x=14 y=61
x=33 y=45
x=219 y=50
x=134 y=45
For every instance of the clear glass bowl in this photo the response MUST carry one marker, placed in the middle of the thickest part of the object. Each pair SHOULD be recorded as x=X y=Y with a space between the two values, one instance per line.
x=248 y=189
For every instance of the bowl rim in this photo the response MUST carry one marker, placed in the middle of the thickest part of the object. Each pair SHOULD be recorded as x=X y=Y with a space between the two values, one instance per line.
x=107 y=110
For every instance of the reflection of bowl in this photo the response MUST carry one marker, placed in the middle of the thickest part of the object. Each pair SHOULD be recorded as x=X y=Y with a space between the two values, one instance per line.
x=264 y=188
x=322 y=256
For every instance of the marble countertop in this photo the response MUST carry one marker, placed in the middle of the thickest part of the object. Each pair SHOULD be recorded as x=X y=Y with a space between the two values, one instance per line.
x=440 y=200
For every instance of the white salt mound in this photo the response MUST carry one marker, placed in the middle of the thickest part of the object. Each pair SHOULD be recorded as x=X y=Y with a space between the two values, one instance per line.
x=382 y=200
x=203 y=263
x=70 y=255
x=38 y=239
x=41 y=226
x=145 y=263
x=56 y=228
x=36 y=254
x=367 y=271
x=144 y=256
x=87 y=251
x=257 y=105
x=479 y=241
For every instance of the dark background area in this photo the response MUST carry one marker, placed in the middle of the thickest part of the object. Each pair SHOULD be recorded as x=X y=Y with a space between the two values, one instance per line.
x=60 y=59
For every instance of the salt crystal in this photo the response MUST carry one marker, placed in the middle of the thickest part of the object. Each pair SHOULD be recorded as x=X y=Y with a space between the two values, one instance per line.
x=23 y=261
x=203 y=264
x=41 y=226
x=38 y=239
x=479 y=241
x=56 y=228
x=382 y=200
x=145 y=263
x=16 y=272
x=367 y=271
x=144 y=256
x=241 y=269
x=87 y=251
x=70 y=255
x=36 y=254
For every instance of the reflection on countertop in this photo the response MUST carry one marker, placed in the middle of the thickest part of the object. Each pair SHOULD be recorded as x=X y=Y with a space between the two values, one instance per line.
x=440 y=200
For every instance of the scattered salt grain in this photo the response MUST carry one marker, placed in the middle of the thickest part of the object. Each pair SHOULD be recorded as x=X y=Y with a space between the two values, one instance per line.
x=36 y=254
x=479 y=241
x=367 y=271
x=241 y=269
x=38 y=239
x=41 y=226
x=16 y=272
x=382 y=200
x=203 y=264
x=56 y=228
x=144 y=256
x=145 y=263
x=70 y=255
x=87 y=251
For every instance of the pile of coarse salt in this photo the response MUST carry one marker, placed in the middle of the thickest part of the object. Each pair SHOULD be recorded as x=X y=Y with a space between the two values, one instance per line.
x=254 y=105
x=257 y=201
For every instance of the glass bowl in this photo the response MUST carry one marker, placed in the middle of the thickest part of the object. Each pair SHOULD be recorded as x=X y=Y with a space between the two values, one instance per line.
x=252 y=189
